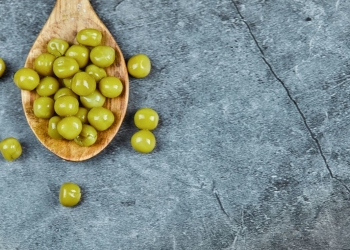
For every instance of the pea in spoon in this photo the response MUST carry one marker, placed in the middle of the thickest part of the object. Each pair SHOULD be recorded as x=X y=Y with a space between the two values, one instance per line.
x=66 y=19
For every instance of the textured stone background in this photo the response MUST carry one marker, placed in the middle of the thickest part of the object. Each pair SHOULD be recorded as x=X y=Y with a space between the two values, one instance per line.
x=253 y=143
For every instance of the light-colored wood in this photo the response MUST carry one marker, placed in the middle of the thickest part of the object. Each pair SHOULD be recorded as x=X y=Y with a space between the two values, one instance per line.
x=66 y=19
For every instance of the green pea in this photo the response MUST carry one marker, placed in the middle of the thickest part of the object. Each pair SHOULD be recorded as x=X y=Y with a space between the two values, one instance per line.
x=65 y=67
x=146 y=118
x=139 y=66
x=67 y=82
x=57 y=47
x=143 y=141
x=69 y=127
x=100 y=118
x=63 y=92
x=82 y=115
x=26 y=79
x=89 y=37
x=43 y=107
x=52 y=129
x=110 y=86
x=2 y=67
x=43 y=64
x=47 y=86
x=102 y=56
x=96 y=72
x=70 y=194
x=87 y=136
x=10 y=148
x=80 y=53
x=83 y=84
x=66 y=105
x=95 y=99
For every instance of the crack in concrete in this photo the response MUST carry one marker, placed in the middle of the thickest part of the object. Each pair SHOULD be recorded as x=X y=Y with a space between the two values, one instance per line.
x=314 y=138
x=219 y=200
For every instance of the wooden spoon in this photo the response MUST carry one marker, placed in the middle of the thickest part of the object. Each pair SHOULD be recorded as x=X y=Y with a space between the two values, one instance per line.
x=67 y=18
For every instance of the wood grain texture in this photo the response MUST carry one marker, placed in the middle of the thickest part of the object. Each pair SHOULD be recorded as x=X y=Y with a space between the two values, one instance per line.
x=66 y=19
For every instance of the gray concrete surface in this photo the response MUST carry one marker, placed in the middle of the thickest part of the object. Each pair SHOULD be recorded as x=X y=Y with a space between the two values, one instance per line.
x=253 y=144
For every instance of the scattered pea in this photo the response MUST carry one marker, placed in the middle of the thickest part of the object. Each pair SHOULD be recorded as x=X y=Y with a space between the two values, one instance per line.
x=10 y=148
x=2 y=67
x=70 y=194
x=143 y=141
x=146 y=118
x=139 y=66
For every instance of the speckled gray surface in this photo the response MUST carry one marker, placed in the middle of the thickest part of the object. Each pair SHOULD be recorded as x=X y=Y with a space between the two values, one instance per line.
x=253 y=144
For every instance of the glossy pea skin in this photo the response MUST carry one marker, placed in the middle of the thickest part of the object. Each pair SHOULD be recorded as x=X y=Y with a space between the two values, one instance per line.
x=110 y=86
x=83 y=84
x=102 y=56
x=2 y=67
x=95 y=99
x=143 y=141
x=43 y=107
x=63 y=92
x=146 y=118
x=96 y=72
x=69 y=127
x=82 y=115
x=10 y=148
x=52 y=128
x=67 y=82
x=89 y=37
x=65 y=67
x=139 y=66
x=47 y=86
x=57 y=47
x=100 y=118
x=87 y=136
x=70 y=194
x=66 y=106
x=26 y=79
x=80 y=53
x=43 y=64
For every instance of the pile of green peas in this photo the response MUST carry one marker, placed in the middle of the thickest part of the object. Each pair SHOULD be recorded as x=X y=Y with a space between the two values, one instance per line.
x=72 y=86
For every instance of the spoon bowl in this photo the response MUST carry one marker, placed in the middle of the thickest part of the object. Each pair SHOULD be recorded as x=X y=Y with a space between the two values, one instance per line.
x=67 y=18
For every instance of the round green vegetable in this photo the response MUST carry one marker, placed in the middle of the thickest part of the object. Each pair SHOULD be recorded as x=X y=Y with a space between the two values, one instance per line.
x=82 y=115
x=26 y=79
x=96 y=72
x=66 y=105
x=47 y=86
x=65 y=67
x=110 y=86
x=57 y=47
x=52 y=129
x=100 y=118
x=43 y=107
x=83 y=84
x=10 y=148
x=2 y=67
x=64 y=91
x=70 y=194
x=139 y=66
x=143 y=141
x=102 y=56
x=89 y=37
x=69 y=127
x=146 y=118
x=95 y=99
x=87 y=136
x=43 y=64
x=80 y=53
